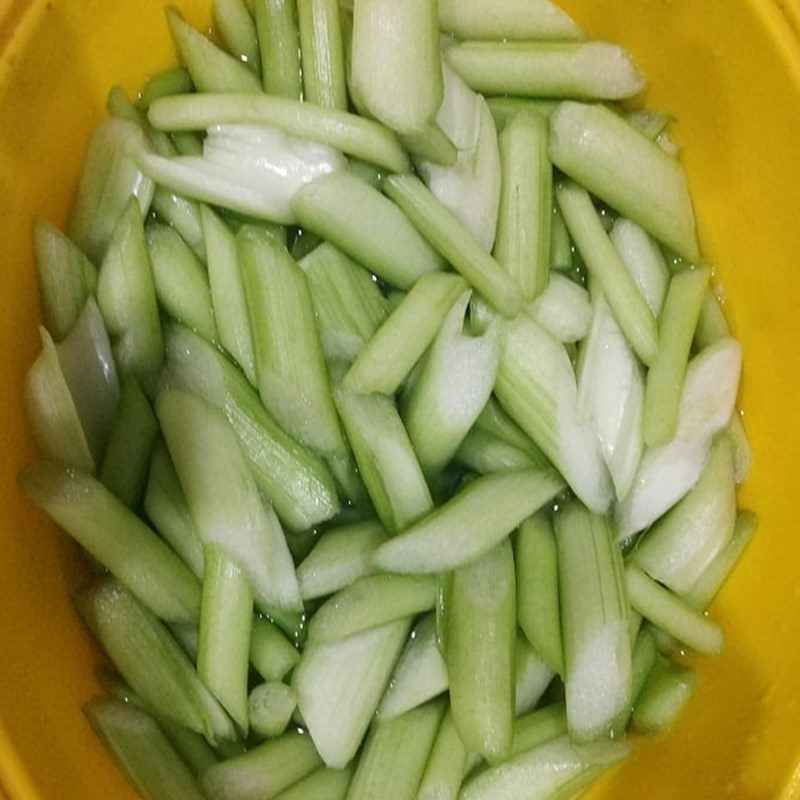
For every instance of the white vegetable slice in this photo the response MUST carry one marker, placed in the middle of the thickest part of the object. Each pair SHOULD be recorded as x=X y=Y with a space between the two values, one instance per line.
x=668 y=472
x=251 y=169
x=471 y=187
x=611 y=396
x=339 y=686
x=563 y=308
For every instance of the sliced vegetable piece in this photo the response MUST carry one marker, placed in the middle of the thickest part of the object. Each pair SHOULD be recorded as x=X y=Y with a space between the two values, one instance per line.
x=532 y=676
x=716 y=573
x=503 y=108
x=340 y=684
x=666 y=691
x=558 y=768
x=452 y=239
x=536 y=385
x=385 y=457
x=292 y=377
x=644 y=260
x=451 y=388
x=66 y=278
x=594 y=619
x=226 y=618
x=564 y=309
x=348 y=303
x=324 y=784
x=359 y=137
x=335 y=207
x=110 y=178
x=537 y=727
x=223 y=499
x=495 y=421
x=181 y=281
x=370 y=602
x=116 y=537
x=322 y=53
x=227 y=292
x=470 y=187
x=523 y=229
x=400 y=342
x=431 y=143
x=395 y=755
x=644 y=657
x=481 y=630
x=712 y=325
x=446 y=765
x=510 y=19
x=590 y=142
x=662 y=394
x=536 y=561
x=249 y=169
x=611 y=396
x=142 y=751
x=630 y=308
x=485 y=453
x=742 y=454
x=164 y=84
x=263 y=771
x=151 y=661
x=420 y=674
x=342 y=556
x=183 y=215
x=470 y=524
x=667 y=473
x=396 y=67
x=165 y=507
x=127 y=298
x=271 y=653
x=236 y=28
x=126 y=460
x=270 y=707
x=683 y=543
x=278 y=39
x=52 y=413
x=295 y=480
x=211 y=69
x=673 y=615
x=585 y=70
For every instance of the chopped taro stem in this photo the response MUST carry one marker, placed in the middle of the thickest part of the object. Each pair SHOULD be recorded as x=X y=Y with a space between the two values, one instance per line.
x=509 y=19
x=471 y=523
x=450 y=389
x=322 y=53
x=279 y=42
x=398 y=344
x=359 y=137
x=211 y=68
x=396 y=64
x=523 y=231
x=142 y=750
x=470 y=186
x=580 y=70
x=236 y=28
x=536 y=386
x=594 y=619
x=481 y=633
x=66 y=278
x=590 y=142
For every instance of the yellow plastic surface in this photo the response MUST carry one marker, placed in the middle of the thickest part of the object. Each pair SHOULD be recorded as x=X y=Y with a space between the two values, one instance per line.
x=730 y=72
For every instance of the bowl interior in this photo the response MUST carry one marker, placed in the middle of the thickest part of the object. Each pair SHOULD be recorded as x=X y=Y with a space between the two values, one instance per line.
x=729 y=70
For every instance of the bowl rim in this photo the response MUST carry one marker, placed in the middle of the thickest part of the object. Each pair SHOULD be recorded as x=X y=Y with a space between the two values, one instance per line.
x=781 y=18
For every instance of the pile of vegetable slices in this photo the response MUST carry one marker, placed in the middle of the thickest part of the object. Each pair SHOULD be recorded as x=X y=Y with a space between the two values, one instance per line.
x=383 y=382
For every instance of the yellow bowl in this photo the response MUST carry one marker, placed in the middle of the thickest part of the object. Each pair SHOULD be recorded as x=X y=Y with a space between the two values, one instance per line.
x=730 y=72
